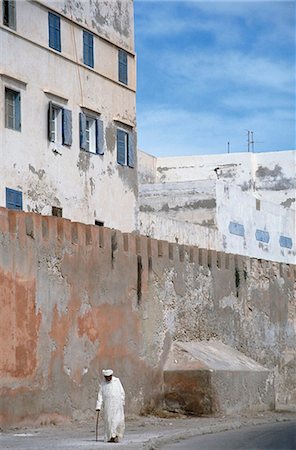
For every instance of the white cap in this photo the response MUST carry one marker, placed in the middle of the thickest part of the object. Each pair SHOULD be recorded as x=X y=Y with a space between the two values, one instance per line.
x=107 y=372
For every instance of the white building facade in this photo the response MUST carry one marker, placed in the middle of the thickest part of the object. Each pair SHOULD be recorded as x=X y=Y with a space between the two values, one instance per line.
x=240 y=203
x=68 y=114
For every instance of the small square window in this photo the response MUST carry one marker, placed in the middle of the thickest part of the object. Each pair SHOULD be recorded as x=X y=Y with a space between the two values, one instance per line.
x=59 y=124
x=122 y=146
x=56 y=125
x=9 y=14
x=12 y=109
x=122 y=66
x=14 y=199
x=125 y=148
x=88 y=49
x=56 y=211
x=54 y=30
x=91 y=134
x=98 y=223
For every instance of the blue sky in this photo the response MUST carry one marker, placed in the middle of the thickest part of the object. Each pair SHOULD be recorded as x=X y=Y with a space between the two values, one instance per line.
x=209 y=71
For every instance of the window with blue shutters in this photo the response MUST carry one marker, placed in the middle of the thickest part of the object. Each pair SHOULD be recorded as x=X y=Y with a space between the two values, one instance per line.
x=125 y=148
x=122 y=66
x=14 y=199
x=9 y=13
x=59 y=125
x=54 y=30
x=12 y=109
x=91 y=134
x=88 y=49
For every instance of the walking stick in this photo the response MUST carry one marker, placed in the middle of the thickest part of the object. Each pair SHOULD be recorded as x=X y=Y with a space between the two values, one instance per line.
x=97 y=421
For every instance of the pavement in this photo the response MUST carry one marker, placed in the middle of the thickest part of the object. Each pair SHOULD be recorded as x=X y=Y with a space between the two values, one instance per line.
x=149 y=433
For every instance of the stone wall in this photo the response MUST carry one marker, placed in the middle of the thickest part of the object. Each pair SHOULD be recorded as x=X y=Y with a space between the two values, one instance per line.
x=77 y=298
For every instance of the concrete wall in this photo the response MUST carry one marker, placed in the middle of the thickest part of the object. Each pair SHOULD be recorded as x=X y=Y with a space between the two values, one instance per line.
x=270 y=175
x=76 y=298
x=191 y=201
x=86 y=186
x=247 y=207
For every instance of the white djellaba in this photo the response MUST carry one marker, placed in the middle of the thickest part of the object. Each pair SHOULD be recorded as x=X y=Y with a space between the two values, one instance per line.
x=111 y=398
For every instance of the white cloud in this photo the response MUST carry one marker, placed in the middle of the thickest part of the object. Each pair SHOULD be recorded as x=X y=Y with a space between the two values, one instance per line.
x=164 y=132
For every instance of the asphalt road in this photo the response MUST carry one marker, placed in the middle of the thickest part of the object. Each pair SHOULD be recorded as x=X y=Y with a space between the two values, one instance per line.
x=276 y=436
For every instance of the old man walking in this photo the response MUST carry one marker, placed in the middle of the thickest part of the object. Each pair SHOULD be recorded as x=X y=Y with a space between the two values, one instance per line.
x=111 y=397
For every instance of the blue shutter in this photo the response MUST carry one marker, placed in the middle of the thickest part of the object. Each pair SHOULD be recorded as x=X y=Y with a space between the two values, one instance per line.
x=82 y=128
x=54 y=28
x=131 y=149
x=121 y=150
x=286 y=242
x=91 y=50
x=88 y=49
x=236 y=228
x=50 y=123
x=14 y=199
x=17 y=100
x=85 y=48
x=99 y=137
x=122 y=66
x=262 y=236
x=67 y=127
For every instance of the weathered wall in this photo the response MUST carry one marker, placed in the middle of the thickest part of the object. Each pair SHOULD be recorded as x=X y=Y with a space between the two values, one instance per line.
x=269 y=175
x=76 y=298
x=85 y=185
x=111 y=19
x=179 y=195
x=191 y=201
x=212 y=214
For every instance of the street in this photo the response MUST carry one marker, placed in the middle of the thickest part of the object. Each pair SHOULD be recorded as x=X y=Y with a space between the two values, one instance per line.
x=276 y=436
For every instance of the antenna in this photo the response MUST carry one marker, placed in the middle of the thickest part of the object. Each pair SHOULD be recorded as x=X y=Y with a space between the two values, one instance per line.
x=228 y=147
x=251 y=141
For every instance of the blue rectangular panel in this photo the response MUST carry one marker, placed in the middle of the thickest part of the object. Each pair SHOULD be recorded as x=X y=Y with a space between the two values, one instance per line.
x=286 y=242
x=54 y=29
x=262 y=236
x=14 y=199
x=236 y=228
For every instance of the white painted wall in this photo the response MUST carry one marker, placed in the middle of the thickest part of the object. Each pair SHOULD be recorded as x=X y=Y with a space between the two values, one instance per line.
x=87 y=186
x=256 y=191
x=271 y=175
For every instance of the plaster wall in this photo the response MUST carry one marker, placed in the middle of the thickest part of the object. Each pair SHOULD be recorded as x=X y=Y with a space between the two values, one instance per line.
x=191 y=201
x=76 y=298
x=165 y=214
x=87 y=186
x=269 y=175
x=112 y=20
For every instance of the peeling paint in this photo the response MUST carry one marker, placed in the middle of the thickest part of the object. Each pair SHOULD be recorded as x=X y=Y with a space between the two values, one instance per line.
x=39 y=172
x=288 y=203
x=83 y=162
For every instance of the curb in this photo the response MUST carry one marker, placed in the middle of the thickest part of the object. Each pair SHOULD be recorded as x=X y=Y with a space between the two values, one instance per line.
x=156 y=443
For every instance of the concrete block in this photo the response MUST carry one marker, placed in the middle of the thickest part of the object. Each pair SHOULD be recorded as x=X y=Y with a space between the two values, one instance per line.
x=208 y=377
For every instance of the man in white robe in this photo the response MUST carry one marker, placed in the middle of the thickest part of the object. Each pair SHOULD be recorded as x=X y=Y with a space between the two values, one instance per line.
x=111 y=397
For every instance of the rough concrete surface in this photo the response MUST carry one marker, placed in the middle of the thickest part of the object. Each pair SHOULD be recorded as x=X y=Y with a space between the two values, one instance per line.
x=149 y=433
x=76 y=298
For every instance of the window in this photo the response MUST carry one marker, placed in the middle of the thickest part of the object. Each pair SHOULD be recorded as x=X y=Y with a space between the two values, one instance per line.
x=98 y=223
x=125 y=148
x=54 y=30
x=91 y=134
x=9 y=16
x=14 y=199
x=59 y=125
x=12 y=109
x=88 y=49
x=56 y=211
x=122 y=66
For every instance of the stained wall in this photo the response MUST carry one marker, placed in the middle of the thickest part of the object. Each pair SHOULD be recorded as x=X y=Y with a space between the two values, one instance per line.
x=77 y=298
